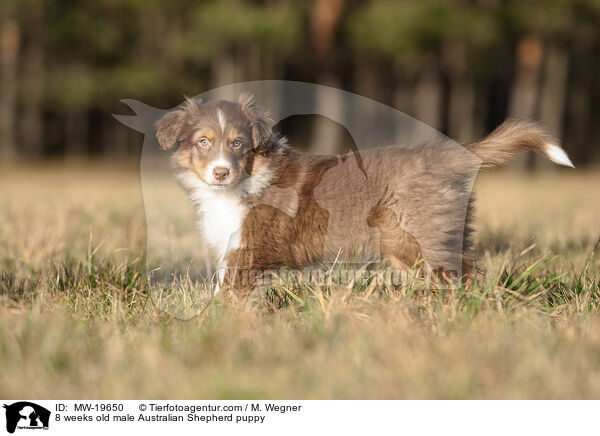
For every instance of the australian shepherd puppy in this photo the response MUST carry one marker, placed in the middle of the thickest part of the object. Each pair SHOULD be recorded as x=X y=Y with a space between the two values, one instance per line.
x=261 y=205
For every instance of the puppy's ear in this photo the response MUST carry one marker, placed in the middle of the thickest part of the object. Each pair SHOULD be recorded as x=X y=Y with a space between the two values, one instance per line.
x=262 y=124
x=168 y=128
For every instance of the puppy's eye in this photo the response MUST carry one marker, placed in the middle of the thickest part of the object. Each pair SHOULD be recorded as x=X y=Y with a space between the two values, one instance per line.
x=236 y=144
x=204 y=142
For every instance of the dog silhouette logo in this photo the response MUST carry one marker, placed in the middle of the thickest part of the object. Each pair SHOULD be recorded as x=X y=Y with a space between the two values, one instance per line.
x=26 y=415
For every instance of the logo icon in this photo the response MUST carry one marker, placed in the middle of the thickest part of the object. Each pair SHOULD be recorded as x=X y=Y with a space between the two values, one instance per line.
x=26 y=415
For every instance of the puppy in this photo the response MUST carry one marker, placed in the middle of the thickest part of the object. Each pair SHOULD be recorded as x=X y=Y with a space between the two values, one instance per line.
x=261 y=205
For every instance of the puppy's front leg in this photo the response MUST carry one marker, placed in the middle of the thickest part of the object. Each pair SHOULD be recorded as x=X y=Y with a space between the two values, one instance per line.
x=243 y=272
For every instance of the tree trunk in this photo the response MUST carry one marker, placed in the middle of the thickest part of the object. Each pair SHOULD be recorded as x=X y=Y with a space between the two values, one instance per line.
x=9 y=54
x=553 y=93
x=223 y=71
x=428 y=95
x=32 y=85
x=324 y=22
x=578 y=135
x=115 y=140
x=524 y=93
x=76 y=133
x=461 y=98
x=327 y=136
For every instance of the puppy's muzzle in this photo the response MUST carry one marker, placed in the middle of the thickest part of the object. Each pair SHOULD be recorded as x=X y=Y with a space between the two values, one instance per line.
x=220 y=174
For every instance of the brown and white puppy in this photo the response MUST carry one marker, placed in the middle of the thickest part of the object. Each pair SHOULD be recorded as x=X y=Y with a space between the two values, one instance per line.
x=262 y=205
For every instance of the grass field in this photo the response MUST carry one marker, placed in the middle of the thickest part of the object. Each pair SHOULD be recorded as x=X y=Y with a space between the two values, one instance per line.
x=76 y=320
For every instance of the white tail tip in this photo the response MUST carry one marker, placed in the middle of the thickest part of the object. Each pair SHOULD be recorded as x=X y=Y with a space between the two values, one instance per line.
x=557 y=154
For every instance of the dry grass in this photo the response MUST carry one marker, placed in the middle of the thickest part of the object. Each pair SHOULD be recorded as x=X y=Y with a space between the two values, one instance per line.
x=76 y=321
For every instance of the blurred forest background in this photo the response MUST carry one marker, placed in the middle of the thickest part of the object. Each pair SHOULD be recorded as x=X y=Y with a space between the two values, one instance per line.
x=461 y=66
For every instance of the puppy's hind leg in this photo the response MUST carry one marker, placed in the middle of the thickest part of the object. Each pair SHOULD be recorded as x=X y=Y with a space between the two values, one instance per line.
x=396 y=244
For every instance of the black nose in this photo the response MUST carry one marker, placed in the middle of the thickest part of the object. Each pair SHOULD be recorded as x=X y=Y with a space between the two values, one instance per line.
x=220 y=173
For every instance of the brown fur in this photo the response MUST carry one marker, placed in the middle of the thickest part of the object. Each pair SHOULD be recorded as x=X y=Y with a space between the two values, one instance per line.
x=417 y=201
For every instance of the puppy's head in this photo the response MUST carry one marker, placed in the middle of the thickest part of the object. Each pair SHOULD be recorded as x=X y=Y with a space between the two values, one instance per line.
x=217 y=142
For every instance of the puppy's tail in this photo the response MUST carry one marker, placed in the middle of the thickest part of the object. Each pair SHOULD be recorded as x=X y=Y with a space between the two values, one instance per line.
x=515 y=136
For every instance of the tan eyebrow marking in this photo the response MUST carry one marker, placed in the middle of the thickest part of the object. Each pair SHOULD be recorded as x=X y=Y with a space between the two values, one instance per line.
x=233 y=135
x=202 y=132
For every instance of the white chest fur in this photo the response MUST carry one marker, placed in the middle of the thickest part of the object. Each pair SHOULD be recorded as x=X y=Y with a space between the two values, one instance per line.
x=220 y=217
x=221 y=213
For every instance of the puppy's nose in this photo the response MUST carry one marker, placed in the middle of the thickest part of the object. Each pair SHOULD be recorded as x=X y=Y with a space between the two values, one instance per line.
x=220 y=173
